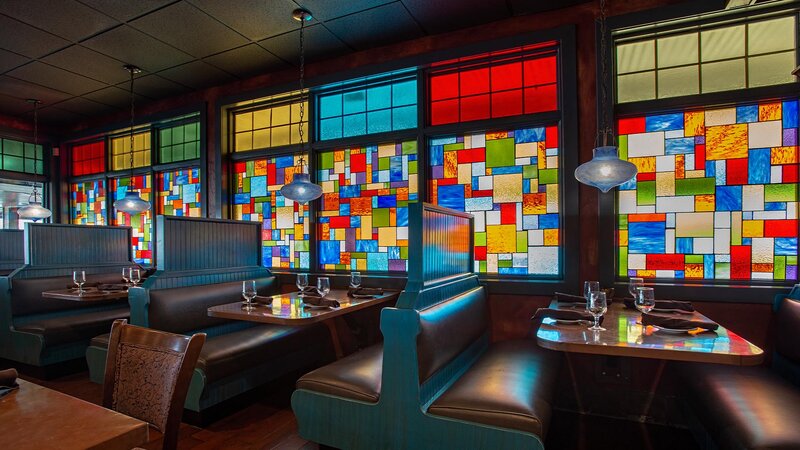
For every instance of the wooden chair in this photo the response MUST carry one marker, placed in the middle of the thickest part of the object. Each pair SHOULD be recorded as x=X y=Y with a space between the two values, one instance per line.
x=148 y=373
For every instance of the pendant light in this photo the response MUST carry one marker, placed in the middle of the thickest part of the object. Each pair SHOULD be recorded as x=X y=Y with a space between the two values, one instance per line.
x=301 y=189
x=34 y=209
x=132 y=203
x=605 y=171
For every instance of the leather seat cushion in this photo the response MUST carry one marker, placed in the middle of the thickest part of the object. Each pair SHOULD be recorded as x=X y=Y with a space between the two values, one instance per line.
x=26 y=293
x=744 y=407
x=79 y=327
x=100 y=341
x=510 y=386
x=231 y=353
x=356 y=377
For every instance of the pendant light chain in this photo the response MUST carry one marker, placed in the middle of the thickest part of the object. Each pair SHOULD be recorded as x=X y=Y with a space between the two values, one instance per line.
x=605 y=126
x=133 y=71
x=35 y=140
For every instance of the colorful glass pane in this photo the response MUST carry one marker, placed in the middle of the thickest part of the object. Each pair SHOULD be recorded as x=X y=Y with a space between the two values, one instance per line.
x=270 y=126
x=142 y=224
x=179 y=143
x=87 y=201
x=285 y=224
x=179 y=193
x=121 y=151
x=716 y=196
x=18 y=156
x=363 y=218
x=509 y=181
x=89 y=158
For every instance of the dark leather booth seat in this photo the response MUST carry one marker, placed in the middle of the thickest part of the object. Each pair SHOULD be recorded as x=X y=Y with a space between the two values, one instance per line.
x=357 y=376
x=80 y=327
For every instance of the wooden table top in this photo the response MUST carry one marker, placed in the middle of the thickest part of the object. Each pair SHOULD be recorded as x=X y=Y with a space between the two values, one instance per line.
x=625 y=337
x=287 y=309
x=89 y=295
x=35 y=417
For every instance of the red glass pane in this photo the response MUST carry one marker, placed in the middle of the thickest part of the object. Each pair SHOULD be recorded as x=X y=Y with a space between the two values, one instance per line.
x=475 y=108
x=444 y=112
x=88 y=158
x=507 y=103
x=541 y=98
x=551 y=137
x=541 y=71
x=631 y=125
x=444 y=86
x=506 y=76
x=474 y=81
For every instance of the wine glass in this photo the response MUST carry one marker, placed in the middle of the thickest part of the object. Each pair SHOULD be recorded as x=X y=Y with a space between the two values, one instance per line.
x=589 y=287
x=323 y=286
x=302 y=283
x=355 y=280
x=135 y=276
x=633 y=284
x=249 y=293
x=79 y=277
x=597 y=306
x=645 y=299
x=126 y=274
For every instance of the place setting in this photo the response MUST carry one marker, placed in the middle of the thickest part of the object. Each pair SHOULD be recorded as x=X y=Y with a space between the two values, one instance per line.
x=667 y=316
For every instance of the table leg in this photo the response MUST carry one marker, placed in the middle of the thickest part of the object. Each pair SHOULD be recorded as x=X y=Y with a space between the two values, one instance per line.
x=571 y=369
x=337 y=345
x=653 y=386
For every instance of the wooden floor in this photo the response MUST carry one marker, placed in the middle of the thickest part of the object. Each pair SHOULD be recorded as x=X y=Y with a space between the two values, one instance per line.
x=268 y=423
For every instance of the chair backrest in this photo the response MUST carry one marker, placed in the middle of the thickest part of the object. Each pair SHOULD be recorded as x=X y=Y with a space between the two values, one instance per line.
x=148 y=374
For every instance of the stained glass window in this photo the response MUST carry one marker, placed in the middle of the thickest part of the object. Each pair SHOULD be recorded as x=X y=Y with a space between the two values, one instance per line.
x=363 y=219
x=179 y=143
x=121 y=151
x=285 y=224
x=716 y=196
x=20 y=156
x=87 y=201
x=270 y=126
x=179 y=193
x=89 y=158
x=506 y=84
x=142 y=224
x=375 y=104
x=509 y=181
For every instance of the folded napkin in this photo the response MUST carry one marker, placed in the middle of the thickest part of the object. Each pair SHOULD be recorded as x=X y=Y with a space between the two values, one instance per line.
x=112 y=287
x=664 y=304
x=677 y=323
x=562 y=314
x=364 y=291
x=261 y=300
x=88 y=284
x=314 y=300
x=8 y=381
x=308 y=289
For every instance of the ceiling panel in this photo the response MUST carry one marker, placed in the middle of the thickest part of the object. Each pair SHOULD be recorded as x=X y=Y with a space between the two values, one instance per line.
x=85 y=106
x=26 y=40
x=60 y=17
x=519 y=7
x=56 y=78
x=23 y=89
x=126 y=10
x=331 y=9
x=246 y=61
x=178 y=25
x=319 y=44
x=135 y=47
x=114 y=96
x=378 y=26
x=256 y=19
x=154 y=86
x=12 y=106
x=10 y=60
x=55 y=115
x=438 y=16
x=197 y=75
x=89 y=63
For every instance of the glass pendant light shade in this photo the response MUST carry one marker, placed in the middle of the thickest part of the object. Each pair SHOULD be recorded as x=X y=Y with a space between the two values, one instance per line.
x=34 y=209
x=132 y=203
x=605 y=171
x=301 y=189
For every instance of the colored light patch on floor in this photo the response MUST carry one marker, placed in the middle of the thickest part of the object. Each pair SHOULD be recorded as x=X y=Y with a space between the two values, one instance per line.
x=284 y=223
x=87 y=203
x=179 y=193
x=142 y=224
x=512 y=190
x=363 y=218
x=716 y=196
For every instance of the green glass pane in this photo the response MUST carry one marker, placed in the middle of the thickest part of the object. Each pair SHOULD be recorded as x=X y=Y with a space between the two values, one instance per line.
x=12 y=147
x=166 y=137
x=191 y=150
x=39 y=167
x=30 y=151
x=13 y=163
x=39 y=152
x=30 y=166
x=166 y=154
x=191 y=132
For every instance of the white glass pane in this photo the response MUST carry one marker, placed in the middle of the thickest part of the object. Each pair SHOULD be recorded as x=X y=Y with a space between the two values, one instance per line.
x=677 y=50
x=723 y=76
x=722 y=43
x=678 y=81
x=635 y=87
x=636 y=56
x=771 y=36
x=772 y=69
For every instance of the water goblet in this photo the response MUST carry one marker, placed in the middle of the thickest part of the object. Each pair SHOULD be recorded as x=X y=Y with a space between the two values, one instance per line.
x=79 y=277
x=323 y=286
x=135 y=276
x=597 y=306
x=249 y=293
x=633 y=284
x=302 y=283
x=126 y=275
x=355 y=280
x=645 y=299
x=589 y=287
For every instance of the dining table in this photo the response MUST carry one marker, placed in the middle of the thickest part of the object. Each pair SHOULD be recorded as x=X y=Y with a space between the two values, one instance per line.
x=87 y=295
x=290 y=309
x=34 y=417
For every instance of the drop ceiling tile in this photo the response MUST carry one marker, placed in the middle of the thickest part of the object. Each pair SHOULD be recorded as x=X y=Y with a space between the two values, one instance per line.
x=197 y=75
x=439 y=16
x=330 y=9
x=26 y=40
x=52 y=115
x=378 y=26
x=319 y=44
x=256 y=19
x=114 y=96
x=126 y=10
x=189 y=29
x=134 y=47
x=88 y=63
x=59 y=17
x=55 y=78
x=12 y=106
x=86 y=107
x=154 y=87
x=246 y=61
x=10 y=60
x=23 y=89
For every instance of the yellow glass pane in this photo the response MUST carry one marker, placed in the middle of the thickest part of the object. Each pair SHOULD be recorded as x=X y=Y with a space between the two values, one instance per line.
x=261 y=119
x=280 y=115
x=119 y=162
x=295 y=132
x=767 y=70
x=677 y=50
x=296 y=111
x=244 y=141
x=261 y=138
x=678 y=81
x=636 y=56
x=138 y=159
x=723 y=75
x=141 y=141
x=243 y=121
x=722 y=43
x=771 y=35
x=280 y=136
x=118 y=146
x=635 y=87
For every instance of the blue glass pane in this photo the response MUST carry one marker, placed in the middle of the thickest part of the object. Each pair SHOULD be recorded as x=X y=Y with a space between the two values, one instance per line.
x=355 y=125
x=355 y=102
x=379 y=121
x=330 y=105
x=330 y=128
x=404 y=118
x=379 y=98
x=404 y=93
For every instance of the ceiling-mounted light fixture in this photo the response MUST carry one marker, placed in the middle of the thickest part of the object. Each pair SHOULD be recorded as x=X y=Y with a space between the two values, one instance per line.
x=34 y=209
x=301 y=189
x=605 y=171
x=132 y=203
